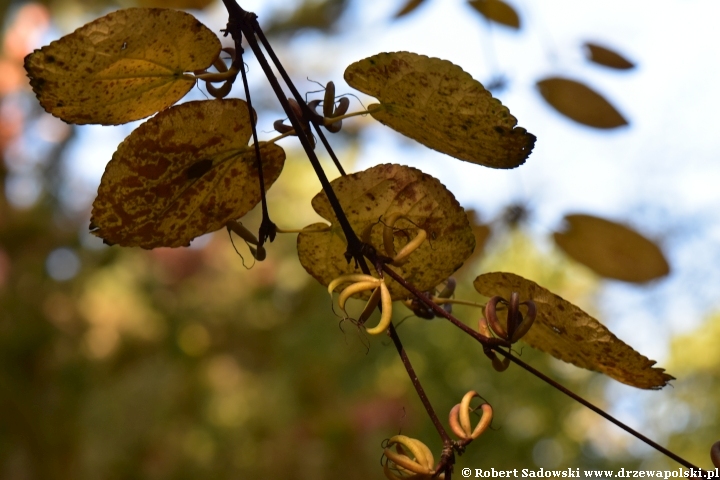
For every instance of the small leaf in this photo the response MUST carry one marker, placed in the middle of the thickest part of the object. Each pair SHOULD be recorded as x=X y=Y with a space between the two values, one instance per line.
x=497 y=11
x=580 y=103
x=611 y=250
x=566 y=332
x=441 y=106
x=185 y=172
x=409 y=7
x=372 y=196
x=606 y=57
x=122 y=67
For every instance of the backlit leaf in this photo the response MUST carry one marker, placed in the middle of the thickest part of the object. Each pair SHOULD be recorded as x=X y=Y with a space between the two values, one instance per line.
x=604 y=56
x=372 y=196
x=497 y=11
x=611 y=250
x=566 y=332
x=580 y=103
x=409 y=7
x=185 y=172
x=441 y=106
x=121 y=67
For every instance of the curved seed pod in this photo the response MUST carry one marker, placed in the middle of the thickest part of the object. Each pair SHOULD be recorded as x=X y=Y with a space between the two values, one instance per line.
x=221 y=92
x=242 y=232
x=500 y=365
x=483 y=327
x=329 y=100
x=259 y=253
x=409 y=248
x=491 y=316
x=342 y=108
x=295 y=106
x=355 y=288
x=527 y=322
x=417 y=465
x=454 y=422
x=715 y=454
x=485 y=419
x=281 y=127
x=386 y=317
x=334 y=127
x=370 y=306
x=514 y=317
x=350 y=278
x=465 y=411
x=219 y=64
x=389 y=234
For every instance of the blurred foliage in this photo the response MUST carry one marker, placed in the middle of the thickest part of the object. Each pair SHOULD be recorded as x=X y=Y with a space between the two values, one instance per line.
x=183 y=364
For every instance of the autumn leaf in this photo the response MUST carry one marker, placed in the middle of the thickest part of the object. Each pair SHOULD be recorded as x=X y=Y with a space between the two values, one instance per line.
x=441 y=106
x=497 y=11
x=121 y=67
x=580 y=103
x=611 y=250
x=566 y=332
x=185 y=172
x=370 y=198
x=606 y=57
x=409 y=7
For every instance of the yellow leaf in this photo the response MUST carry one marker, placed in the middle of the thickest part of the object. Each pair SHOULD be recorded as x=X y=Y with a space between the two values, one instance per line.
x=497 y=11
x=185 y=172
x=121 y=67
x=566 y=332
x=580 y=103
x=441 y=106
x=609 y=58
x=409 y=7
x=370 y=198
x=611 y=250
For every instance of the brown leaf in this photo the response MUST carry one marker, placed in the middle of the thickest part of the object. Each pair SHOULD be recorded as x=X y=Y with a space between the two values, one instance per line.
x=606 y=57
x=185 y=172
x=409 y=7
x=438 y=104
x=611 y=250
x=566 y=332
x=580 y=103
x=122 y=67
x=497 y=11
x=371 y=197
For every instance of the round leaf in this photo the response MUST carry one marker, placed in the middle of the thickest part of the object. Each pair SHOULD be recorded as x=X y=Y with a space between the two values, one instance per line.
x=441 y=106
x=606 y=57
x=374 y=195
x=121 y=67
x=611 y=250
x=497 y=11
x=566 y=332
x=185 y=172
x=580 y=103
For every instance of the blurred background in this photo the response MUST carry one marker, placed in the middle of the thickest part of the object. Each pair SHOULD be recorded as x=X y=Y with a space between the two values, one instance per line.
x=182 y=363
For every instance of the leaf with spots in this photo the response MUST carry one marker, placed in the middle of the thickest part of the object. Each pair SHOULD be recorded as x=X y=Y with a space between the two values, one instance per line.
x=185 y=172
x=566 y=332
x=611 y=250
x=606 y=57
x=441 y=106
x=580 y=103
x=374 y=196
x=122 y=67
x=497 y=11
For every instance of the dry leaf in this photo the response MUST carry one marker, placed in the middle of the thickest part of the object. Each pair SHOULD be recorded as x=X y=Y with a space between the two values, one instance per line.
x=409 y=7
x=121 y=67
x=185 y=172
x=566 y=332
x=580 y=103
x=604 y=56
x=372 y=196
x=441 y=106
x=611 y=250
x=497 y=11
